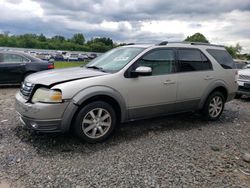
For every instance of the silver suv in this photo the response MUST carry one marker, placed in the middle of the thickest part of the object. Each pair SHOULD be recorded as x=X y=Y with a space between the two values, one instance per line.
x=128 y=83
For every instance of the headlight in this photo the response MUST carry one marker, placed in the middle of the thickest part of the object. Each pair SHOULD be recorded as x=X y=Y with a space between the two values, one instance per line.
x=47 y=96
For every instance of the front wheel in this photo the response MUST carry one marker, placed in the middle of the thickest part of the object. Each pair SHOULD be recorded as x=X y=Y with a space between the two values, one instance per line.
x=214 y=106
x=95 y=122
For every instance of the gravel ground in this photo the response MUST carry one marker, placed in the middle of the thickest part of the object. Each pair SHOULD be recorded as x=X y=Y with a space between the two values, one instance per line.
x=175 y=151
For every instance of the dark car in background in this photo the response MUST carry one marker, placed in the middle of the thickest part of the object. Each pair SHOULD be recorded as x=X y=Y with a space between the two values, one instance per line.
x=83 y=57
x=15 y=66
x=92 y=56
x=57 y=57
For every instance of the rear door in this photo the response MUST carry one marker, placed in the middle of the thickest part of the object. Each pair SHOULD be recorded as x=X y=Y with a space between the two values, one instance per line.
x=195 y=74
x=12 y=68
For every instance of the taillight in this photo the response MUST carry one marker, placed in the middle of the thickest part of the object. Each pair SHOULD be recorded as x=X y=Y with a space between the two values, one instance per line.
x=51 y=66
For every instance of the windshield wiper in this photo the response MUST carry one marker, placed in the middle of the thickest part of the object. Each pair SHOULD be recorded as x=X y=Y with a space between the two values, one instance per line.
x=95 y=67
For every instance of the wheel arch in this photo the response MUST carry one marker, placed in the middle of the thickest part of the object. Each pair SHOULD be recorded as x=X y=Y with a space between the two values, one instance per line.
x=105 y=98
x=218 y=86
x=101 y=93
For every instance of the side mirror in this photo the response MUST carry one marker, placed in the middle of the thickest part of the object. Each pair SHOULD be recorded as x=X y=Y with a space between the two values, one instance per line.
x=142 y=71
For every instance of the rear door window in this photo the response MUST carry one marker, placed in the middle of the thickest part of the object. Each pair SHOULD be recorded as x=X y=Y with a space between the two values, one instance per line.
x=193 y=60
x=13 y=58
x=223 y=58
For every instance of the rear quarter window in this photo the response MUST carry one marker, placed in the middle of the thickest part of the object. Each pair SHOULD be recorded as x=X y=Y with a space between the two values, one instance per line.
x=222 y=57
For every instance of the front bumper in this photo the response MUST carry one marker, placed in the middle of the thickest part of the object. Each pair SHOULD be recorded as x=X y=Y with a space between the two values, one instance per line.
x=41 y=125
x=41 y=117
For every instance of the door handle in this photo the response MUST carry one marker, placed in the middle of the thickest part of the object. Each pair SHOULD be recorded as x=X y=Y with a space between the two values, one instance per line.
x=169 y=82
x=208 y=78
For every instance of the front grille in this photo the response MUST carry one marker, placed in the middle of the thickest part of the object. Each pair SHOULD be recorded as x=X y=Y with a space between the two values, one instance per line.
x=26 y=89
x=244 y=77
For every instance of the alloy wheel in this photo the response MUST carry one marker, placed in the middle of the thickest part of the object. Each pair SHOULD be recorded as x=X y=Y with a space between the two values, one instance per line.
x=96 y=123
x=215 y=106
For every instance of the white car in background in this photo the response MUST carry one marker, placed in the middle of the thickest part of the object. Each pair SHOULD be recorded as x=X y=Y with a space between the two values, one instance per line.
x=71 y=57
x=43 y=56
x=247 y=66
x=244 y=82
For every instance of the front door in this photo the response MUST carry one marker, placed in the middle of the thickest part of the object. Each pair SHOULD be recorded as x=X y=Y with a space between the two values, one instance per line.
x=155 y=94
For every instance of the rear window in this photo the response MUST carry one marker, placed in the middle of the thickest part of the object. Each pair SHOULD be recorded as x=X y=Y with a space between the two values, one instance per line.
x=223 y=58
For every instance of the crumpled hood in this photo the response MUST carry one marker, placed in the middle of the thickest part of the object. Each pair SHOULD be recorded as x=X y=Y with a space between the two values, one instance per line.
x=52 y=77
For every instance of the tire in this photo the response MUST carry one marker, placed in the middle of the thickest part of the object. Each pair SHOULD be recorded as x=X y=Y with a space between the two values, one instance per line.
x=238 y=96
x=89 y=125
x=214 y=106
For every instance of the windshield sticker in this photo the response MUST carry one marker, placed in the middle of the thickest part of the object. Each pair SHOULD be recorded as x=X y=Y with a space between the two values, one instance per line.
x=121 y=58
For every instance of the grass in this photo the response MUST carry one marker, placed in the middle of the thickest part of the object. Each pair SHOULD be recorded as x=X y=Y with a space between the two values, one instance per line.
x=61 y=64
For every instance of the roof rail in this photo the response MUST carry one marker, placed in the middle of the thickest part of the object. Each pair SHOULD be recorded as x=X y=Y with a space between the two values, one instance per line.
x=191 y=43
x=206 y=44
x=163 y=43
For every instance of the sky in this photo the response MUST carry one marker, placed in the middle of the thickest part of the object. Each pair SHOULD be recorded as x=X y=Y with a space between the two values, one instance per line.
x=225 y=22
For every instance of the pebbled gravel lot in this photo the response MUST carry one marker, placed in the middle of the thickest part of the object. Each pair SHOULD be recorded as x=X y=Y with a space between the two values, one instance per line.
x=175 y=151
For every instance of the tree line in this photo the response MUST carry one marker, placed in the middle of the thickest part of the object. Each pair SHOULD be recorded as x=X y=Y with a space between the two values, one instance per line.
x=75 y=43
x=78 y=43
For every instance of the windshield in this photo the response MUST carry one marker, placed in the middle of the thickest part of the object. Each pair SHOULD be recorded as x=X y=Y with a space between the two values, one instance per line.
x=246 y=67
x=114 y=60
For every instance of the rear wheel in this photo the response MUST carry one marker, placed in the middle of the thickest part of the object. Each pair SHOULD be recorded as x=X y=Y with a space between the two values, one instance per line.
x=95 y=122
x=214 y=106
